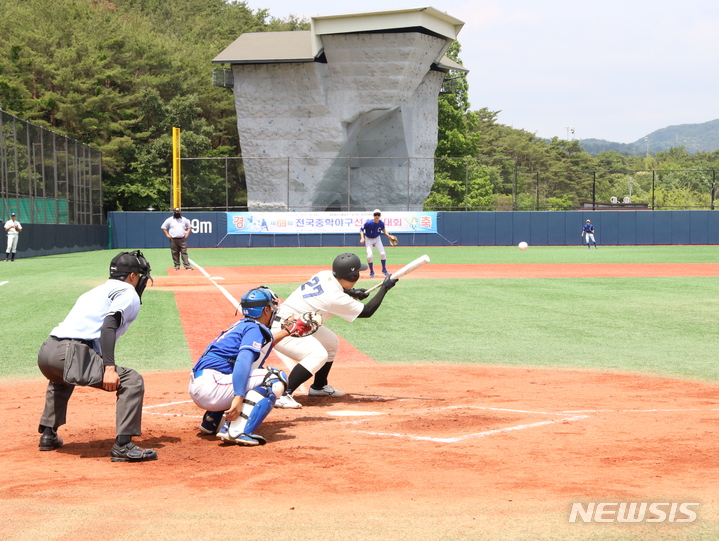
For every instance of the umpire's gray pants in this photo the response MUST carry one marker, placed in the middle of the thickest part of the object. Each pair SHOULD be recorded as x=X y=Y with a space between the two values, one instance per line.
x=178 y=247
x=130 y=394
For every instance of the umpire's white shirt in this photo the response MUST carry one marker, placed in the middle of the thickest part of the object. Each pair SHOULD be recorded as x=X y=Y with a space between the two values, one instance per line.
x=85 y=319
x=177 y=227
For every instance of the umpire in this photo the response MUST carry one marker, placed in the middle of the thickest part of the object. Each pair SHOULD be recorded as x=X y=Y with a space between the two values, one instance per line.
x=177 y=228
x=81 y=351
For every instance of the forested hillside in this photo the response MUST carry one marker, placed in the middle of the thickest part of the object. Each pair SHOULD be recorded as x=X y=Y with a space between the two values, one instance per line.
x=119 y=75
x=694 y=138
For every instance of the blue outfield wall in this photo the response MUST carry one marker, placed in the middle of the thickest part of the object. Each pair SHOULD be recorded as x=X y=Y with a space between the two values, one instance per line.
x=132 y=230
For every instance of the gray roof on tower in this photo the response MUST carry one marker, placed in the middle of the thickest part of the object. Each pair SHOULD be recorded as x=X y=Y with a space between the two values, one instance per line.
x=306 y=46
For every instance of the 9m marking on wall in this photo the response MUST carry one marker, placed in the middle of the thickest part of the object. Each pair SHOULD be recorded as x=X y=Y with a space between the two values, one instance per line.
x=201 y=227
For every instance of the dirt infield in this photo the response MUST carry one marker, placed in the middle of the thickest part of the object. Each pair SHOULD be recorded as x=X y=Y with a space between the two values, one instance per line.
x=415 y=452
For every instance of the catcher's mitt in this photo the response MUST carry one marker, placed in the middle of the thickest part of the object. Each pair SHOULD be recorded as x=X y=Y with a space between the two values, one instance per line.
x=305 y=325
x=393 y=240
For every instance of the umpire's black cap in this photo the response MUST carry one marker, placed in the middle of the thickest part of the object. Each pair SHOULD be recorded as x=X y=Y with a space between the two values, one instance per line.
x=347 y=266
x=126 y=262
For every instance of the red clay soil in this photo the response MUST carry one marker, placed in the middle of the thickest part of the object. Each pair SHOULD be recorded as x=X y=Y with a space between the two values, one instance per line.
x=413 y=452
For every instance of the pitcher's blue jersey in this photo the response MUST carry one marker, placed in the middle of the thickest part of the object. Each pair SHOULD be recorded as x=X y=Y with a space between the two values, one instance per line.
x=371 y=229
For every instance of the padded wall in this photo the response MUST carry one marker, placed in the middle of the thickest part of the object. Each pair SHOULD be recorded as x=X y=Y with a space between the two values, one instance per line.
x=50 y=239
x=131 y=230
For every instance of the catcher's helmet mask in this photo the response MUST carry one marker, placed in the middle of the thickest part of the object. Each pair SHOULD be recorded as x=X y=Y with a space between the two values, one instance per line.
x=347 y=266
x=254 y=301
x=125 y=263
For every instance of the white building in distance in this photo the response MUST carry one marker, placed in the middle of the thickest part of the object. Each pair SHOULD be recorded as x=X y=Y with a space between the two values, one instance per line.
x=344 y=116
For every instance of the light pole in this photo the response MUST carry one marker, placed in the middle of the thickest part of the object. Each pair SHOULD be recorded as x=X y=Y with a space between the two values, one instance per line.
x=646 y=140
x=569 y=128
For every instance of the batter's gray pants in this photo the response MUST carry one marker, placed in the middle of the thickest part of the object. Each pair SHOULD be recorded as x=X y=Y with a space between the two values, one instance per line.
x=128 y=408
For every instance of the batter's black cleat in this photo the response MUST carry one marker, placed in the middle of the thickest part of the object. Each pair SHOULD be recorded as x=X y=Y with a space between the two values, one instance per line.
x=131 y=453
x=50 y=442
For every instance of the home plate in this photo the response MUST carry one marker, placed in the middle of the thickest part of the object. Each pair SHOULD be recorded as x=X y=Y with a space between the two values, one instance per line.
x=348 y=413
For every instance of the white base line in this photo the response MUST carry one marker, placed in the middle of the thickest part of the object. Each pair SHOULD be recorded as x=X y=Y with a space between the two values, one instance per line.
x=3 y=283
x=168 y=404
x=478 y=434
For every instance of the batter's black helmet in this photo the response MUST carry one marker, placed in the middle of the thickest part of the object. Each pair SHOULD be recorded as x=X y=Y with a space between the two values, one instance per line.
x=347 y=266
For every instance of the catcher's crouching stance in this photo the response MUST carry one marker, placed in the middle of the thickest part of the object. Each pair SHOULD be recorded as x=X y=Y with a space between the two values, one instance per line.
x=229 y=378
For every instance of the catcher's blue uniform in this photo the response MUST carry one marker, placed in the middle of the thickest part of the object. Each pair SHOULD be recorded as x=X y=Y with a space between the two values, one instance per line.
x=238 y=350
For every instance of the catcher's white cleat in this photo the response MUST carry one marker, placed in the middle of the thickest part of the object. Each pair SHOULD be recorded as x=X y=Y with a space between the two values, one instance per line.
x=327 y=390
x=288 y=402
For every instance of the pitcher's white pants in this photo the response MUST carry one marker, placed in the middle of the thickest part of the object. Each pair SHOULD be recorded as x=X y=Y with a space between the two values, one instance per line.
x=374 y=243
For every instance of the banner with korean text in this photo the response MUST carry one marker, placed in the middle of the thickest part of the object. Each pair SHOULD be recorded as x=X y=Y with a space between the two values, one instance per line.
x=239 y=223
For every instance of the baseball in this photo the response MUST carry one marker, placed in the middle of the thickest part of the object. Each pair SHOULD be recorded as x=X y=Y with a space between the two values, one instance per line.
x=522 y=245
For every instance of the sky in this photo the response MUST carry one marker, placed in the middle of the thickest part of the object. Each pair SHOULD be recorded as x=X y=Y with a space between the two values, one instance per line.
x=615 y=70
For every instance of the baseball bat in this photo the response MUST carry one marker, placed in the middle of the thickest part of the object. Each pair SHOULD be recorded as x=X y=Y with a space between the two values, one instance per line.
x=409 y=267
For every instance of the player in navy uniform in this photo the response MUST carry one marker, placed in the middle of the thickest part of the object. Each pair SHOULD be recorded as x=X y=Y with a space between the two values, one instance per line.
x=588 y=234
x=229 y=378
x=371 y=237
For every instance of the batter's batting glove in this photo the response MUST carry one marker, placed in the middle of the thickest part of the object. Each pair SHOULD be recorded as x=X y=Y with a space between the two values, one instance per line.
x=359 y=294
x=389 y=282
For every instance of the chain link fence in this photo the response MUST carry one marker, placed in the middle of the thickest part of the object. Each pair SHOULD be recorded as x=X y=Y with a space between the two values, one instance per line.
x=460 y=184
x=48 y=178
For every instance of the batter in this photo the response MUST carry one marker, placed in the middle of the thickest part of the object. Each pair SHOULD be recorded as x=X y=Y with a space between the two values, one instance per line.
x=330 y=293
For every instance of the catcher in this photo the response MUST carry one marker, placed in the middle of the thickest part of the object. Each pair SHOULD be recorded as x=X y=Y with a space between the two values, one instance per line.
x=371 y=237
x=229 y=378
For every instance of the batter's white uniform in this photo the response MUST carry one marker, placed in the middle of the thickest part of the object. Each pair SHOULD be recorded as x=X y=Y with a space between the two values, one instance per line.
x=323 y=294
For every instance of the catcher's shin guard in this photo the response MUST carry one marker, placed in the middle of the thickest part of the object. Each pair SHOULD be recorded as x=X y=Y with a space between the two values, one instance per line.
x=255 y=408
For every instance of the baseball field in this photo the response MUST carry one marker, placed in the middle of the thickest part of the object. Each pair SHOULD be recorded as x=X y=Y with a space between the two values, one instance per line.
x=493 y=394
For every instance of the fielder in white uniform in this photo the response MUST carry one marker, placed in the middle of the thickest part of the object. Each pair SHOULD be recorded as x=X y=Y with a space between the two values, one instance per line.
x=13 y=228
x=330 y=293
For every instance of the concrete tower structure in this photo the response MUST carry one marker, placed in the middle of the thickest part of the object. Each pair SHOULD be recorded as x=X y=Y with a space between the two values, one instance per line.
x=344 y=116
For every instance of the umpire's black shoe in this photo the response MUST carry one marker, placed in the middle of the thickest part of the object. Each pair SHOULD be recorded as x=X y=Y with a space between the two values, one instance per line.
x=50 y=442
x=131 y=453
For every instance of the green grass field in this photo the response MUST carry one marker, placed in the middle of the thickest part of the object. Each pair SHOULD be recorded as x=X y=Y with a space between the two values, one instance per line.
x=660 y=326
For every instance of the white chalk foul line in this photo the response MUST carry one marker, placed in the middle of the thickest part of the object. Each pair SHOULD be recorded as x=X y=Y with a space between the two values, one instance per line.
x=3 y=283
x=477 y=434
x=235 y=303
